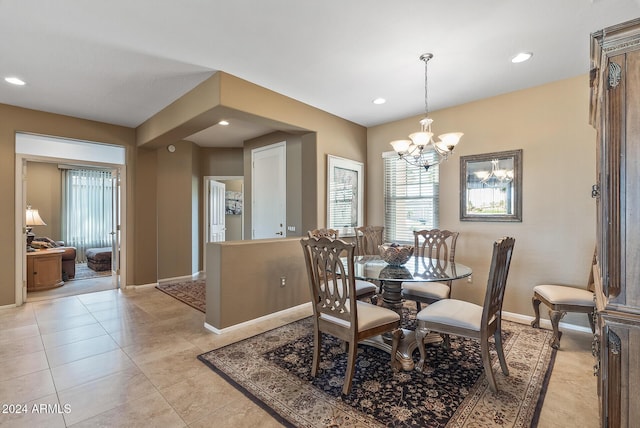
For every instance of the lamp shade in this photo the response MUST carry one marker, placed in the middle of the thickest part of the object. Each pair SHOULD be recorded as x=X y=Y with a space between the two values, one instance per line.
x=33 y=218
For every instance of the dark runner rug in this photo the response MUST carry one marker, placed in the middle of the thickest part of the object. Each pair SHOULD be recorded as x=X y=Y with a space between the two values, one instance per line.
x=190 y=292
x=273 y=369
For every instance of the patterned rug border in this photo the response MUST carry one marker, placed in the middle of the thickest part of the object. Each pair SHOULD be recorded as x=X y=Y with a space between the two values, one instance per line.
x=264 y=406
x=476 y=391
x=177 y=291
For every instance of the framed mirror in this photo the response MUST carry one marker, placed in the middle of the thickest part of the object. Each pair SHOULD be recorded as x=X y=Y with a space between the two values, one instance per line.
x=491 y=186
x=345 y=194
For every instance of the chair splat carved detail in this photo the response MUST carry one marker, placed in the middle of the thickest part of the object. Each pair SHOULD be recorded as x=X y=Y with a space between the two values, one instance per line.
x=336 y=311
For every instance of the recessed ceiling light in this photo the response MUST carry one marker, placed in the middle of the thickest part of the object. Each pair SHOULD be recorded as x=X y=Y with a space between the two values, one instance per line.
x=14 y=81
x=521 y=57
x=379 y=101
x=223 y=123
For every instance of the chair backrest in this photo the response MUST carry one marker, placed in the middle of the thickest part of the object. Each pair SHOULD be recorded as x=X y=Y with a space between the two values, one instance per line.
x=367 y=240
x=326 y=233
x=497 y=282
x=436 y=244
x=333 y=299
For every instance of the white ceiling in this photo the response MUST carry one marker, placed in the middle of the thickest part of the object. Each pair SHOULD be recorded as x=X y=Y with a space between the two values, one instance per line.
x=122 y=61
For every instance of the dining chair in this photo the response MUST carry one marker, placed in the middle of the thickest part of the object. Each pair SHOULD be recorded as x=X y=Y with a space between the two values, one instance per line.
x=561 y=299
x=328 y=233
x=336 y=311
x=461 y=318
x=439 y=245
x=367 y=240
x=364 y=289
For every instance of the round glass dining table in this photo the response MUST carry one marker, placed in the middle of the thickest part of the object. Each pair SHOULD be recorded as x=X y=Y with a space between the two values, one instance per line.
x=417 y=269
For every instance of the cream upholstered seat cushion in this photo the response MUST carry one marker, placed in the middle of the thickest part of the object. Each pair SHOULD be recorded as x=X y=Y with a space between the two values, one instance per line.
x=365 y=287
x=429 y=290
x=369 y=316
x=452 y=312
x=565 y=295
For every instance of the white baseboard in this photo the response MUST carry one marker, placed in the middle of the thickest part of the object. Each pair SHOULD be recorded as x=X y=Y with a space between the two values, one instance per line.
x=13 y=305
x=141 y=286
x=180 y=278
x=255 y=321
x=544 y=323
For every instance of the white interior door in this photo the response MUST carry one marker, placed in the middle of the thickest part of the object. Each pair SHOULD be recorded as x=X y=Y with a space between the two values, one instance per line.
x=215 y=215
x=268 y=191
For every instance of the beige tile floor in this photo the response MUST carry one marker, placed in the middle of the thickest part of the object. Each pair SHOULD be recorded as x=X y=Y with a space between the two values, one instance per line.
x=128 y=358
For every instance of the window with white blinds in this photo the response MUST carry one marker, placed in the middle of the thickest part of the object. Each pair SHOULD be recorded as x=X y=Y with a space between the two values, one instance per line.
x=411 y=197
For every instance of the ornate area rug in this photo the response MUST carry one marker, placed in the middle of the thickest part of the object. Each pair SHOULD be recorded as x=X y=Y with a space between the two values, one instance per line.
x=273 y=369
x=190 y=292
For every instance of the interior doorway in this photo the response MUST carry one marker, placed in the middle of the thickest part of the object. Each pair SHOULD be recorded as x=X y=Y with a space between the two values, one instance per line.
x=230 y=214
x=36 y=149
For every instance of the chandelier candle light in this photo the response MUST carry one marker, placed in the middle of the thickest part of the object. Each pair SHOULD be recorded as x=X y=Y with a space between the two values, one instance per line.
x=416 y=150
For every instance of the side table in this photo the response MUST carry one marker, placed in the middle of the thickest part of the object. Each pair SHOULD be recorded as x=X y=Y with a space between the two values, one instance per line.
x=44 y=269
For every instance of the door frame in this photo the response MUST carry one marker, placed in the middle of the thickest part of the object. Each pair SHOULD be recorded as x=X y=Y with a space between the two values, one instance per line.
x=21 y=179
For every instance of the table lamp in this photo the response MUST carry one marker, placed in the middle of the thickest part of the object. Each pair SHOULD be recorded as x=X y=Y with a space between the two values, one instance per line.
x=32 y=219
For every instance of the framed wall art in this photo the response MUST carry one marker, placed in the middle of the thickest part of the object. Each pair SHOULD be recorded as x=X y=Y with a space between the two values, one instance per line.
x=491 y=186
x=345 y=193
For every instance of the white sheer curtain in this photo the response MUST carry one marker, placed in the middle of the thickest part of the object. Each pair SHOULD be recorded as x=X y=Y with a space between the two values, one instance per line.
x=86 y=209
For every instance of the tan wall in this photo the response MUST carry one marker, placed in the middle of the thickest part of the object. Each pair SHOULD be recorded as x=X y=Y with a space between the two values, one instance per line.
x=239 y=290
x=334 y=135
x=175 y=205
x=555 y=241
x=146 y=223
x=44 y=193
x=16 y=119
x=222 y=161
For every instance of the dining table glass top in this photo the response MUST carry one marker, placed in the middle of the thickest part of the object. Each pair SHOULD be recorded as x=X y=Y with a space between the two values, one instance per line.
x=417 y=268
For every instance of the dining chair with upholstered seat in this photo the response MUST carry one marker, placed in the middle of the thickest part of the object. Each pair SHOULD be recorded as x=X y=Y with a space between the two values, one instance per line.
x=364 y=289
x=336 y=311
x=461 y=318
x=327 y=233
x=561 y=299
x=435 y=244
x=368 y=238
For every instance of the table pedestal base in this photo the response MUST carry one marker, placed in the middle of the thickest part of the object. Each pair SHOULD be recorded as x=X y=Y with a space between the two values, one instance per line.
x=405 y=348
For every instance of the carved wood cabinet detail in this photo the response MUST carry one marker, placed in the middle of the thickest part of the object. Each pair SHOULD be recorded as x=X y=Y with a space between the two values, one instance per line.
x=615 y=113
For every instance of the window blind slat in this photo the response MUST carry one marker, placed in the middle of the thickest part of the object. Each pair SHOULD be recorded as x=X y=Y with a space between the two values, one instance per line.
x=411 y=198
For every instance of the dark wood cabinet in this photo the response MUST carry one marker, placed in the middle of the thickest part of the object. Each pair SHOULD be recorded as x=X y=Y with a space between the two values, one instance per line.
x=615 y=113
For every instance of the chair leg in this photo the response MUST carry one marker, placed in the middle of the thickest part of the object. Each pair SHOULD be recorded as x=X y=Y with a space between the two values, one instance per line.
x=351 y=365
x=497 y=336
x=421 y=332
x=317 y=341
x=486 y=362
x=418 y=306
x=555 y=317
x=536 y=308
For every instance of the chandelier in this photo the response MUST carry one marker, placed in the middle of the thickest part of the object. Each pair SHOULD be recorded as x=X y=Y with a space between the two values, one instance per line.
x=497 y=175
x=418 y=150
